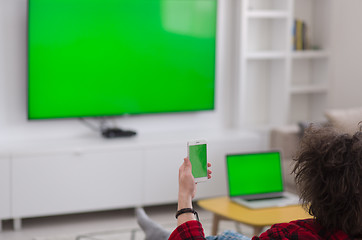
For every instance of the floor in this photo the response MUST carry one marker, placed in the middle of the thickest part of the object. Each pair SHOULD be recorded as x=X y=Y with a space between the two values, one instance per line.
x=56 y=226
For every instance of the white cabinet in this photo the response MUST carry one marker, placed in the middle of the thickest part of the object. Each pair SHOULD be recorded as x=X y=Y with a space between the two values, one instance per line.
x=279 y=85
x=5 y=205
x=67 y=183
x=161 y=174
x=49 y=178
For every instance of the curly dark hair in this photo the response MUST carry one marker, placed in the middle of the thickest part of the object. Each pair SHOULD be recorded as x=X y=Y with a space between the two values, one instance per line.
x=329 y=178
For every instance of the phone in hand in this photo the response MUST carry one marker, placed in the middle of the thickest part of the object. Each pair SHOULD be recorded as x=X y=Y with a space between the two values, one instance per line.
x=197 y=153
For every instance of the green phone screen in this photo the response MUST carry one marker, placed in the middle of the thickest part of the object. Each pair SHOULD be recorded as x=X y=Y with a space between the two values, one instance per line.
x=198 y=158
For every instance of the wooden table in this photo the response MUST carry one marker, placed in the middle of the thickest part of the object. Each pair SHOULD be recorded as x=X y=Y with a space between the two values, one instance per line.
x=223 y=208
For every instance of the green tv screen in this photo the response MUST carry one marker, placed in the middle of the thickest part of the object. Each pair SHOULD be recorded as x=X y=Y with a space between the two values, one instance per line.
x=90 y=58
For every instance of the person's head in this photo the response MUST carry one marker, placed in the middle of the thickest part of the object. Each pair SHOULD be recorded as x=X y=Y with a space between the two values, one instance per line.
x=329 y=178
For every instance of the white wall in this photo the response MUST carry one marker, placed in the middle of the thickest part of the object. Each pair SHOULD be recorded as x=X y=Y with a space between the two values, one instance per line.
x=346 y=89
x=2 y=59
x=13 y=86
x=346 y=73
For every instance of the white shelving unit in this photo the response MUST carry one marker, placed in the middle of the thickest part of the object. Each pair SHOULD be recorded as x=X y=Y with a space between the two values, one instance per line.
x=279 y=85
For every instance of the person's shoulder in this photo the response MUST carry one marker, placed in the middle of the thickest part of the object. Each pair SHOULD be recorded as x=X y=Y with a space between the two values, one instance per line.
x=308 y=224
x=306 y=229
x=299 y=229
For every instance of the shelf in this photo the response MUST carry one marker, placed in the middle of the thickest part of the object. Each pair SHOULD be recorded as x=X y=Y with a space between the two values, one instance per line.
x=267 y=14
x=308 y=54
x=263 y=55
x=282 y=85
x=271 y=5
x=308 y=89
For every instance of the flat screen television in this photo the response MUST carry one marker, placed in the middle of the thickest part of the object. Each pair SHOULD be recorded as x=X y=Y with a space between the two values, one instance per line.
x=89 y=58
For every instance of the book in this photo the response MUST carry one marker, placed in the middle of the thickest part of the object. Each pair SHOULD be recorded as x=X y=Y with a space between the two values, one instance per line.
x=294 y=35
x=305 y=36
x=300 y=35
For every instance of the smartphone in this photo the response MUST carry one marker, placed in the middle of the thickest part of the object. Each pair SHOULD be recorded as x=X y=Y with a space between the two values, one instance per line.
x=197 y=153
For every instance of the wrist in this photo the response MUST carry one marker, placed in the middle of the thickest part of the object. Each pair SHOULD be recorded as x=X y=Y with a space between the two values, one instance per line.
x=185 y=218
x=184 y=201
x=187 y=211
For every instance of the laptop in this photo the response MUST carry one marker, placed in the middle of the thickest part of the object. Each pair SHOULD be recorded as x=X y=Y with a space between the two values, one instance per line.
x=255 y=180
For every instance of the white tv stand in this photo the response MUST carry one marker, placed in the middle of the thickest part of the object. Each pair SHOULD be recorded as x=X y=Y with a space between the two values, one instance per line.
x=43 y=178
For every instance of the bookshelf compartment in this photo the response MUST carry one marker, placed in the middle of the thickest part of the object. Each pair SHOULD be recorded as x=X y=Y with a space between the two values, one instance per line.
x=309 y=73
x=264 y=97
x=268 y=5
x=307 y=108
x=315 y=15
x=267 y=35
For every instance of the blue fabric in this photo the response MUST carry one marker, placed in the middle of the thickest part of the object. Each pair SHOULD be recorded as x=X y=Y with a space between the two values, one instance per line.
x=228 y=235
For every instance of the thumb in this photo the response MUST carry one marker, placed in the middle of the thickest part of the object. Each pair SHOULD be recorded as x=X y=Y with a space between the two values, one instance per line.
x=187 y=162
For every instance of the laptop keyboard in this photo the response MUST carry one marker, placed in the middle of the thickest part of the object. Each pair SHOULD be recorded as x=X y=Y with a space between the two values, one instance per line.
x=263 y=199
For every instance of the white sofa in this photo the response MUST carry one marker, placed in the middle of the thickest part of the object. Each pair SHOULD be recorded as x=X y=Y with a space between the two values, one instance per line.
x=286 y=138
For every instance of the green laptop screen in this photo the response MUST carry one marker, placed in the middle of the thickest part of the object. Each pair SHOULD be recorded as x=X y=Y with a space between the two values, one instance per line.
x=254 y=173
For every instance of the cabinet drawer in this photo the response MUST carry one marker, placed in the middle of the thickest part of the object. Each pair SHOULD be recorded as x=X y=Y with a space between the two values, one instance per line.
x=161 y=174
x=59 y=184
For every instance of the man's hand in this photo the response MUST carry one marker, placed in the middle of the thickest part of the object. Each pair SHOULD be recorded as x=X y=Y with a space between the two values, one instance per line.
x=187 y=189
x=187 y=185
